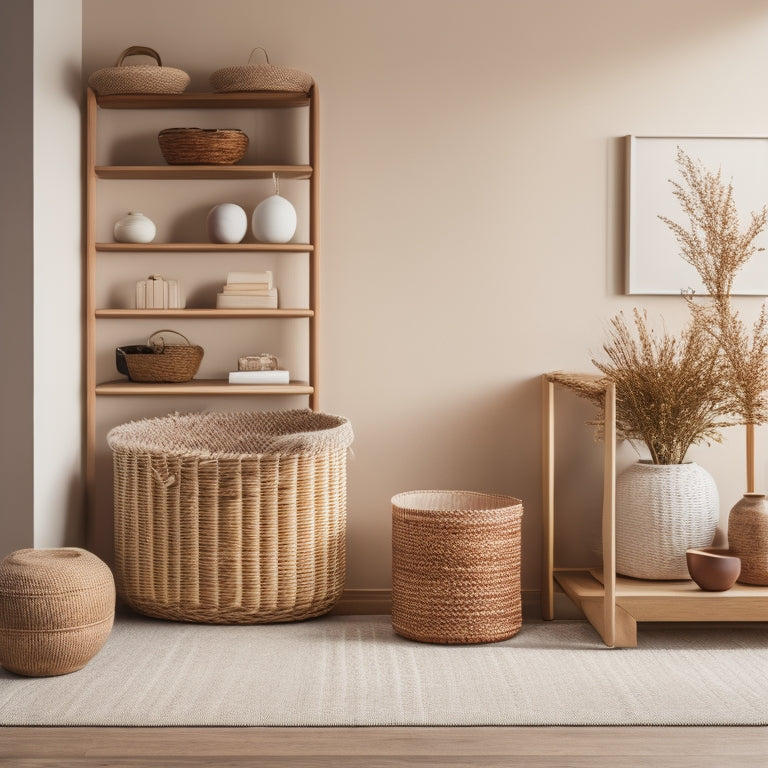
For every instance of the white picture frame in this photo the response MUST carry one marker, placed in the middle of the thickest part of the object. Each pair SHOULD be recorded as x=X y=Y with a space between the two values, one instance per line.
x=654 y=264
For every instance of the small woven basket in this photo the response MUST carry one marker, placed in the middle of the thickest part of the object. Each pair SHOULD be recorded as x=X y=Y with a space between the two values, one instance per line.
x=57 y=607
x=157 y=361
x=260 y=77
x=138 y=78
x=202 y=146
x=456 y=566
x=231 y=518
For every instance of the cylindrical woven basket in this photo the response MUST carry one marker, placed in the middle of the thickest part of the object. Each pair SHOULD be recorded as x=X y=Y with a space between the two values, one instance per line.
x=456 y=566
x=231 y=518
x=138 y=78
x=158 y=362
x=260 y=77
x=661 y=511
x=57 y=607
x=202 y=146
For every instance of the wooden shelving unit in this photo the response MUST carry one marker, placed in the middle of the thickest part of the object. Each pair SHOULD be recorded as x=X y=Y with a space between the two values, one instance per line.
x=98 y=250
x=615 y=604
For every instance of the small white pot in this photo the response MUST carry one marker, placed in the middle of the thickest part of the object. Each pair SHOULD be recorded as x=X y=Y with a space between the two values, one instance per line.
x=226 y=223
x=135 y=227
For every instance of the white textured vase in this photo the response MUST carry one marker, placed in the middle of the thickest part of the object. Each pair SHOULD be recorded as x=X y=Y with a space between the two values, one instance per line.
x=662 y=510
x=227 y=223
x=134 y=227
x=274 y=220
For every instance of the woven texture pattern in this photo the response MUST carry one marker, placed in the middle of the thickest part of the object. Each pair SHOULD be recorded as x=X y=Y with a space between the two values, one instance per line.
x=456 y=566
x=662 y=510
x=202 y=146
x=231 y=518
x=172 y=363
x=138 y=78
x=748 y=537
x=56 y=610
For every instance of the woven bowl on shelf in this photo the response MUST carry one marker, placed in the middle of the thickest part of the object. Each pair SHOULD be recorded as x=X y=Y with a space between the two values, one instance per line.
x=260 y=77
x=138 y=78
x=202 y=146
x=159 y=362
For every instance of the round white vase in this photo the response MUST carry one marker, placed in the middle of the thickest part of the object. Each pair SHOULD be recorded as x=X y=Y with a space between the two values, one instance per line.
x=226 y=223
x=661 y=511
x=134 y=227
x=274 y=220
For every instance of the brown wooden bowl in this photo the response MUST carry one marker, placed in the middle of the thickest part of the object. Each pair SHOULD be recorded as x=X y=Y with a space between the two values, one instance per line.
x=713 y=569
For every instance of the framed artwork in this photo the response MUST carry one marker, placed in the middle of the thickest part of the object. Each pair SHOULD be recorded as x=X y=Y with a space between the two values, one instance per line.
x=654 y=263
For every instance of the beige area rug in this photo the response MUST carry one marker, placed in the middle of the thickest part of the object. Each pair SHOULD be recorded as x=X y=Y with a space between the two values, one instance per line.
x=355 y=671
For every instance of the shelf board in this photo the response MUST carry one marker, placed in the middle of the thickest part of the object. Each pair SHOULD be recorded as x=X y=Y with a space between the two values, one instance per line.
x=201 y=387
x=670 y=601
x=202 y=100
x=204 y=172
x=207 y=314
x=200 y=247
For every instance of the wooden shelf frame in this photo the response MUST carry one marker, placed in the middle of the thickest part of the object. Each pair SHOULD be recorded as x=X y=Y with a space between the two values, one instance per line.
x=308 y=172
x=614 y=604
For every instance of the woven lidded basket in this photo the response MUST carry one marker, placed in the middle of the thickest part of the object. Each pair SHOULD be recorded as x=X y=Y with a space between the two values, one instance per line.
x=456 y=566
x=157 y=361
x=138 y=78
x=260 y=77
x=231 y=518
x=57 y=607
x=202 y=146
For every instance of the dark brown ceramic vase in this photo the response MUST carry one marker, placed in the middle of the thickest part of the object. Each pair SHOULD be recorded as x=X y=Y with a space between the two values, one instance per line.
x=748 y=537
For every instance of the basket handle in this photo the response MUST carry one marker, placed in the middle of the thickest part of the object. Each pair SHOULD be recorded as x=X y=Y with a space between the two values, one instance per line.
x=160 y=346
x=263 y=50
x=139 y=50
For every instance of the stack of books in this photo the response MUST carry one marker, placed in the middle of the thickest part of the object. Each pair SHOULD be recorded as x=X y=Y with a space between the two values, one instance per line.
x=279 y=376
x=248 y=290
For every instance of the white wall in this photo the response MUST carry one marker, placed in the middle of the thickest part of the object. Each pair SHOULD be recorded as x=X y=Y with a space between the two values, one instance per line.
x=58 y=411
x=472 y=213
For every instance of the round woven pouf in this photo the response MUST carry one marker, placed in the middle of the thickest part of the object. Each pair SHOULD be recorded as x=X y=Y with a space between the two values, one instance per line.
x=57 y=607
x=456 y=566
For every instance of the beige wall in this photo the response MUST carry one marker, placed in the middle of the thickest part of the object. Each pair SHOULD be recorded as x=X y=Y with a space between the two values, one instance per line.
x=472 y=198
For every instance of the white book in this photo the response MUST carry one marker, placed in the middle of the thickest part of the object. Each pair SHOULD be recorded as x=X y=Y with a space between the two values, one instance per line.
x=259 y=377
x=250 y=277
x=230 y=301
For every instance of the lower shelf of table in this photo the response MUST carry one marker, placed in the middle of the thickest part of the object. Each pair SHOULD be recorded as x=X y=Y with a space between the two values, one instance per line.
x=638 y=600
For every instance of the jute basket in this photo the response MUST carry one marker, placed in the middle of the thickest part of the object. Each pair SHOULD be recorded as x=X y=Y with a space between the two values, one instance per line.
x=138 y=78
x=57 y=607
x=456 y=566
x=202 y=146
x=260 y=77
x=231 y=518
x=157 y=361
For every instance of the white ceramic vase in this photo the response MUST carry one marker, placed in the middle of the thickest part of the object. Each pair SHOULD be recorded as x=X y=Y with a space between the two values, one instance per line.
x=661 y=511
x=226 y=223
x=274 y=220
x=135 y=227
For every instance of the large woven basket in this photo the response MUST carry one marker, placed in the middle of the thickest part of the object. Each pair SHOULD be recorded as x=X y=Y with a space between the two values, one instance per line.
x=260 y=77
x=138 y=78
x=456 y=566
x=157 y=361
x=231 y=518
x=202 y=146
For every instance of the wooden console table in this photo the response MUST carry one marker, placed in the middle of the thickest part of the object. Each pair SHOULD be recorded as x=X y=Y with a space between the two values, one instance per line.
x=614 y=604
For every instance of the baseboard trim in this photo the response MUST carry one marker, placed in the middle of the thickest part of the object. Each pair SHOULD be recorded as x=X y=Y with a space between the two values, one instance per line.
x=379 y=601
